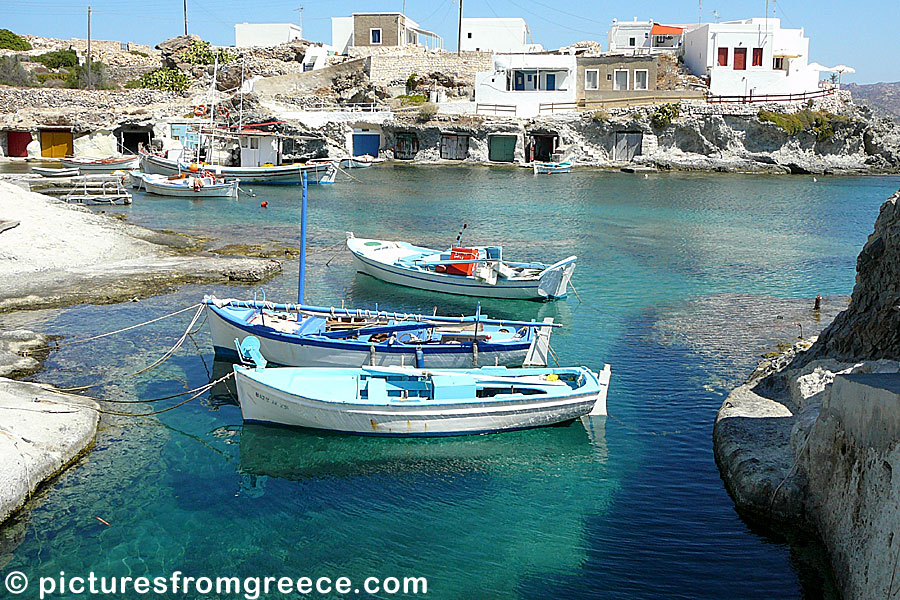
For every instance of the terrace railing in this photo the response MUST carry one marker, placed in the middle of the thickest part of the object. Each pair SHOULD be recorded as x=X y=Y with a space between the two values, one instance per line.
x=754 y=98
x=508 y=110
x=555 y=107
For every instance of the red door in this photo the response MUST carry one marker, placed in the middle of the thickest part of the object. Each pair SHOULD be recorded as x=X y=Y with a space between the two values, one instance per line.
x=740 y=59
x=723 y=57
x=18 y=142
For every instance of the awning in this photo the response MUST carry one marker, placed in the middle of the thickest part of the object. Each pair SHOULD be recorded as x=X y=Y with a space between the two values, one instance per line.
x=665 y=30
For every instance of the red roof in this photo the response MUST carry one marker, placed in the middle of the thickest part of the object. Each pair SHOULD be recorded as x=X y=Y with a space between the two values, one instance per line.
x=665 y=30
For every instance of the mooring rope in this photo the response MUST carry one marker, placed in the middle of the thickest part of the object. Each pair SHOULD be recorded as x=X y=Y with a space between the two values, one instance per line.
x=166 y=356
x=103 y=335
x=338 y=167
x=199 y=391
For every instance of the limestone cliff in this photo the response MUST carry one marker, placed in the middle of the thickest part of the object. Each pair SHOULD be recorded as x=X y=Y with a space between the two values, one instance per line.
x=813 y=440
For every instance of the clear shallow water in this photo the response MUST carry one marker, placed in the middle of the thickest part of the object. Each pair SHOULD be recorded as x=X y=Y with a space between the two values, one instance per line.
x=555 y=512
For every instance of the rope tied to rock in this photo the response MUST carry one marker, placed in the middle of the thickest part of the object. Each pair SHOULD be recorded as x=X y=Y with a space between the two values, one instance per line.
x=129 y=328
x=199 y=392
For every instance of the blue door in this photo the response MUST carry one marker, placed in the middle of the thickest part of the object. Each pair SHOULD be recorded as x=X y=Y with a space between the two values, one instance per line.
x=366 y=143
x=520 y=81
x=551 y=81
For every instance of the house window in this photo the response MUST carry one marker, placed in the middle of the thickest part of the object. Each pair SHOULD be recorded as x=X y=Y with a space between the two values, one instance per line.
x=723 y=57
x=778 y=63
x=375 y=36
x=620 y=79
x=757 y=57
x=640 y=79
x=592 y=79
x=631 y=42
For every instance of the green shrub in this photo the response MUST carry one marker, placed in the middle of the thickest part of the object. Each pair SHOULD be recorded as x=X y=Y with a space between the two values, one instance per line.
x=13 y=73
x=170 y=80
x=45 y=77
x=665 y=114
x=411 y=83
x=426 y=112
x=139 y=53
x=98 y=79
x=412 y=100
x=820 y=123
x=57 y=59
x=600 y=116
x=201 y=53
x=10 y=41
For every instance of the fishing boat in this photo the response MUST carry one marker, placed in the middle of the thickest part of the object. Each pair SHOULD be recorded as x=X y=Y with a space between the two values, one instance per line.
x=407 y=402
x=309 y=336
x=321 y=173
x=47 y=172
x=100 y=165
x=476 y=271
x=203 y=186
x=361 y=162
x=551 y=168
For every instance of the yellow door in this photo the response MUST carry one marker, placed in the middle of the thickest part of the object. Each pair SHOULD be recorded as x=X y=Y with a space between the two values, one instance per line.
x=56 y=144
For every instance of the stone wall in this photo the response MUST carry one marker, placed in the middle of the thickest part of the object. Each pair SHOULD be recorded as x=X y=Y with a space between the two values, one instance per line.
x=392 y=68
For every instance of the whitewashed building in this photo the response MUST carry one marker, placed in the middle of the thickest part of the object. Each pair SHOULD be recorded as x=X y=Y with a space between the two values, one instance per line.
x=751 y=57
x=265 y=34
x=521 y=83
x=497 y=35
x=644 y=37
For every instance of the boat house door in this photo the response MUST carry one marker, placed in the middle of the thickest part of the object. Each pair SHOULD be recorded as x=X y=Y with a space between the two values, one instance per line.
x=17 y=143
x=366 y=143
x=56 y=144
x=407 y=146
x=628 y=145
x=454 y=147
x=502 y=148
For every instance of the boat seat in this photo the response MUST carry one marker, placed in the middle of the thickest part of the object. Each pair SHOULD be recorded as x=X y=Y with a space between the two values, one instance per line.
x=377 y=389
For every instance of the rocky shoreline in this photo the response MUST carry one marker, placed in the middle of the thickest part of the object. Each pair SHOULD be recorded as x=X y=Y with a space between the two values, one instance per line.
x=812 y=439
x=60 y=255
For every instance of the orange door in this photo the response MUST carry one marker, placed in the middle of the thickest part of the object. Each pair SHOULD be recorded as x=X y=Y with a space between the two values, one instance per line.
x=56 y=144
x=740 y=59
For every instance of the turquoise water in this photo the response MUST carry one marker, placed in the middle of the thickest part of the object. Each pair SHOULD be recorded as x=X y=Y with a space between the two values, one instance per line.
x=682 y=280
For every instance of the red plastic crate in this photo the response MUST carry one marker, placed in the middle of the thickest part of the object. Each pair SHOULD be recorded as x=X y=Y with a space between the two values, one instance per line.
x=462 y=254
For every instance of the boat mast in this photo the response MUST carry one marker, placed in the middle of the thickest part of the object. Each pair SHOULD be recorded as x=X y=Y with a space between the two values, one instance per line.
x=302 y=274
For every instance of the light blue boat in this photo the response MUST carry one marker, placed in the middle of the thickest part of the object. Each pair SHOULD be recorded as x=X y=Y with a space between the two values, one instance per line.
x=404 y=401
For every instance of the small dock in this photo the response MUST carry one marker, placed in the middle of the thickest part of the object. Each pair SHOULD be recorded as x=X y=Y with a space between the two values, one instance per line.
x=82 y=189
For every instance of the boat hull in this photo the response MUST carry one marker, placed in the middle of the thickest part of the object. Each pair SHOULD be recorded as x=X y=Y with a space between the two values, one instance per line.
x=266 y=404
x=323 y=173
x=551 y=168
x=295 y=351
x=101 y=167
x=227 y=190
x=537 y=289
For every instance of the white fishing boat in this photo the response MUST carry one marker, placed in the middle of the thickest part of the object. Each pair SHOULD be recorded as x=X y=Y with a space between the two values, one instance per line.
x=189 y=187
x=551 y=168
x=309 y=336
x=320 y=173
x=47 y=172
x=476 y=271
x=360 y=162
x=405 y=401
x=100 y=165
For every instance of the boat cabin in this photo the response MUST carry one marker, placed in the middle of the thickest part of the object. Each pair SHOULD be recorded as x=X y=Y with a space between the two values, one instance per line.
x=260 y=148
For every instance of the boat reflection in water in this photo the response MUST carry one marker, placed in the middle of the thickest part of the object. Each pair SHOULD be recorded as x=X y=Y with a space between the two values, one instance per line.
x=298 y=454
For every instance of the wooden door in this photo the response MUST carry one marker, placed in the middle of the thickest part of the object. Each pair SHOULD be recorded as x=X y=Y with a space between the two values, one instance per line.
x=17 y=143
x=56 y=144
x=740 y=59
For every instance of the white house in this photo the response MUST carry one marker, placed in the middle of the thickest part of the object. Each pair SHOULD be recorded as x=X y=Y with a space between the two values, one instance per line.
x=644 y=37
x=751 y=57
x=265 y=34
x=525 y=82
x=497 y=35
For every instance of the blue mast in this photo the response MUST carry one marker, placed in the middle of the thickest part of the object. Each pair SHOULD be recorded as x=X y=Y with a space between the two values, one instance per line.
x=302 y=275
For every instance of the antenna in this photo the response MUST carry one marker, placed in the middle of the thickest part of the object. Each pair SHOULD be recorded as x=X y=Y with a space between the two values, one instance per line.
x=700 y=14
x=715 y=15
x=300 y=10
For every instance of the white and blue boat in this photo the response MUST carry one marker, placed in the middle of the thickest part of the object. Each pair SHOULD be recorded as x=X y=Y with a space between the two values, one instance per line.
x=308 y=336
x=474 y=271
x=552 y=168
x=320 y=173
x=406 y=402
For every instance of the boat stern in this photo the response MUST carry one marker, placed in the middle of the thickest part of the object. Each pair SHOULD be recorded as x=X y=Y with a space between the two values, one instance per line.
x=599 y=409
x=554 y=280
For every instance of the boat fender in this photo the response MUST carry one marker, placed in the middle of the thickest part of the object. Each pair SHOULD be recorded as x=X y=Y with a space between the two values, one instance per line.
x=420 y=358
x=193 y=167
x=264 y=204
x=201 y=110
x=223 y=112
x=209 y=174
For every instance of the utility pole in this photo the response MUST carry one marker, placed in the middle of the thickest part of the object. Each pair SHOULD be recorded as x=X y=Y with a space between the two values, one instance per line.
x=89 y=83
x=300 y=10
x=185 y=17
x=459 y=35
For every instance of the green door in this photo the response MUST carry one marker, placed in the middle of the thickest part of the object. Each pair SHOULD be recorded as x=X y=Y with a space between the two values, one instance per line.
x=502 y=148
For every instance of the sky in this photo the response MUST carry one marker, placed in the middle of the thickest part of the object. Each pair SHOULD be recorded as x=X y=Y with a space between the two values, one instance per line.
x=850 y=33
